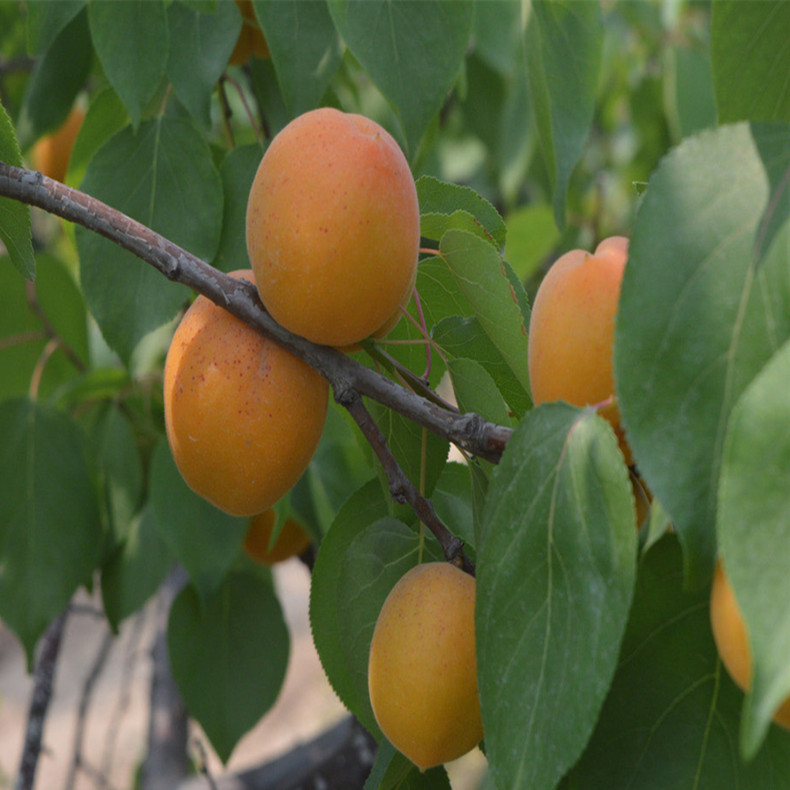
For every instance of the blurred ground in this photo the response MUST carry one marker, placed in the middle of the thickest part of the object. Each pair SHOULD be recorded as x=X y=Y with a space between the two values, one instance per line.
x=117 y=720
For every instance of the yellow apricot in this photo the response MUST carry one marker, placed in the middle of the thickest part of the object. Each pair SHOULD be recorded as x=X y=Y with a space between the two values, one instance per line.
x=333 y=227
x=243 y=416
x=50 y=155
x=291 y=541
x=729 y=633
x=571 y=330
x=422 y=672
x=251 y=41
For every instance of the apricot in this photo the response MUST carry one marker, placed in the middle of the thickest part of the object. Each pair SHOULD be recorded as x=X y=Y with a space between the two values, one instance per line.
x=251 y=41
x=51 y=154
x=333 y=227
x=422 y=672
x=729 y=633
x=571 y=330
x=243 y=416
x=291 y=541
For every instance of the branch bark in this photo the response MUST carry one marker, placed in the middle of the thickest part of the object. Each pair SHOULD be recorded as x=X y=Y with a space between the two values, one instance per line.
x=44 y=678
x=468 y=431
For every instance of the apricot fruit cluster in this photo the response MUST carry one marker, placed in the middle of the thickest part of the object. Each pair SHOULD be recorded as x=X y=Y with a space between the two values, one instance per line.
x=333 y=228
x=422 y=670
x=571 y=330
x=729 y=634
x=243 y=416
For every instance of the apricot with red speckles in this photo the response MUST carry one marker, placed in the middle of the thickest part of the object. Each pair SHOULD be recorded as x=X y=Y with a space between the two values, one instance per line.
x=243 y=416
x=333 y=227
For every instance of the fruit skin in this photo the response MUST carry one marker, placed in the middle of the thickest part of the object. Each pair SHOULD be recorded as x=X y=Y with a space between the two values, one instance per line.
x=243 y=416
x=51 y=153
x=333 y=227
x=291 y=541
x=729 y=633
x=422 y=672
x=251 y=40
x=571 y=330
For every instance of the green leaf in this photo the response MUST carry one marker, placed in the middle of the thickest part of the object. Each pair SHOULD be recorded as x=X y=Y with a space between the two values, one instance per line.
x=439 y=293
x=46 y=19
x=698 y=318
x=671 y=717
x=411 y=51
x=22 y=334
x=476 y=391
x=484 y=280
x=49 y=523
x=106 y=115
x=57 y=79
x=201 y=46
x=120 y=470
x=555 y=576
x=15 y=228
x=443 y=206
x=134 y=573
x=754 y=504
x=202 y=538
x=364 y=507
x=132 y=41
x=229 y=656
x=237 y=171
x=750 y=56
x=464 y=337
x=564 y=42
x=694 y=101
x=531 y=237
x=452 y=500
x=163 y=176
x=304 y=49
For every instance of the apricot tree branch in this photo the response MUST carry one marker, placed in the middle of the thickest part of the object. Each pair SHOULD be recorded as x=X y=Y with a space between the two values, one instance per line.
x=468 y=431
x=402 y=489
x=44 y=679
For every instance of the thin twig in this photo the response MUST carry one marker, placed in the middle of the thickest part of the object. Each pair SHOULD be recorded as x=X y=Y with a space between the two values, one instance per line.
x=44 y=677
x=49 y=329
x=402 y=489
x=468 y=431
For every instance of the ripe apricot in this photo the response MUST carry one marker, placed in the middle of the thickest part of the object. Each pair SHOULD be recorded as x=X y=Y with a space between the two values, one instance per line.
x=251 y=40
x=422 y=672
x=243 y=416
x=571 y=330
x=291 y=541
x=333 y=227
x=729 y=633
x=50 y=155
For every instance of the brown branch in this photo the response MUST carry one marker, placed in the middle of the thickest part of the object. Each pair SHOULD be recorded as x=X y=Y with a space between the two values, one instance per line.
x=468 y=431
x=44 y=677
x=402 y=489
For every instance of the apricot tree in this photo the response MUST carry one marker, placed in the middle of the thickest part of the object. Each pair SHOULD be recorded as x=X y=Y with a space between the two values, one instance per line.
x=517 y=135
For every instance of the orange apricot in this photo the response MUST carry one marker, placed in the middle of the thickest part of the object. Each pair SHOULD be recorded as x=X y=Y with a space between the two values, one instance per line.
x=51 y=154
x=243 y=415
x=422 y=670
x=333 y=227
x=729 y=633
x=571 y=330
x=291 y=541
x=251 y=41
